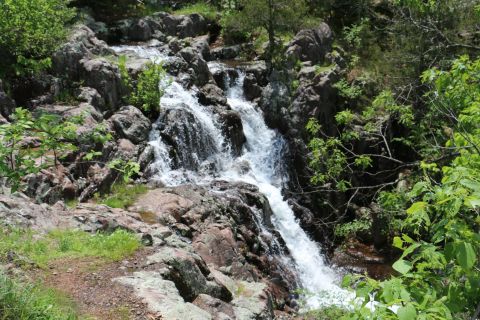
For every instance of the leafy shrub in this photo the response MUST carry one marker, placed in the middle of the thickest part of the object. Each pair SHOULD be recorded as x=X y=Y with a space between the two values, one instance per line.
x=148 y=89
x=18 y=158
x=30 y=32
x=438 y=270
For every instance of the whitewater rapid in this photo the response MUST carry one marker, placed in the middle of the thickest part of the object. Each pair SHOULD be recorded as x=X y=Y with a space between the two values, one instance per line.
x=263 y=154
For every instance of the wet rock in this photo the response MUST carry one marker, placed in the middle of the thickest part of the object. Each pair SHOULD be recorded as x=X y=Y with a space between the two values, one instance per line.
x=251 y=88
x=130 y=123
x=224 y=77
x=311 y=44
x=192 y=142
x=198 y=65
x=210 y=94
x=233 y=130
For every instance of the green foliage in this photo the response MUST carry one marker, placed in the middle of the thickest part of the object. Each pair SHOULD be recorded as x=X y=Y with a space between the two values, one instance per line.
x=326 y=313
x=123 y=196
x=272 y=16
x=349 y=230
x=31 y=31
x=20 y=157
x=347 y=90
x=112 y=10
x=21 y=301
x=205 y=9
x=438 y=269
x=58 y=244
x=148 y=89
x=127 y=169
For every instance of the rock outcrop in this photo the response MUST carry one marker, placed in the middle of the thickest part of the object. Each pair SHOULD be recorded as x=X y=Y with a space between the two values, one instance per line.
x=208 y=258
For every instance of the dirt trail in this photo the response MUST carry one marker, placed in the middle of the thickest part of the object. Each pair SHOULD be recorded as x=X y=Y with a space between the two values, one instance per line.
x=89 y=283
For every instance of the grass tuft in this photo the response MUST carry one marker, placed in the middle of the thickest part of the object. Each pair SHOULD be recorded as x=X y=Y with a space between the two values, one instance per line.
x=123 y=196
x=19 y=301
x=28 y=248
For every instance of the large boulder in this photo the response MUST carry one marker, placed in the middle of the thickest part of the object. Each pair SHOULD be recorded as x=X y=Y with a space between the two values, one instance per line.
x=311 y=44
x=163 y=297
x=275 y=102
x=210 y=94
x=200 y=68
x=130 y=123
x=104 y=76
x=82 y=44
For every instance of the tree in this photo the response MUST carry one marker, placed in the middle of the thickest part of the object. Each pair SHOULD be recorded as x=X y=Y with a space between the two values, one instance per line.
x=272 y=16
x=30 y=32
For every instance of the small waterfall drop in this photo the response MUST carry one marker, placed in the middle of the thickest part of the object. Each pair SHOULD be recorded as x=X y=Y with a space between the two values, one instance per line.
x=261 y=162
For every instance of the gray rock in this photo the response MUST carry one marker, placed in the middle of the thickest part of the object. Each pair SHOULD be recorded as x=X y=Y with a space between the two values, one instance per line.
x=130 y=123
x=199 y=66
x=104 y=76
x=82 y=44
x=311 y=44
x=163 y=297
x=188 y=271
x=275 y=102
x=200 y=44
x=140 y=31
x=251 y=88
x=92 y=97
x=226 y=53
x=210 y=94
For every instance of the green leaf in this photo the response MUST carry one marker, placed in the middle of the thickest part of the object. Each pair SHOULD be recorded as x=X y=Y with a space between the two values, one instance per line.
x=398 y=243
x=466 y=256
x=407 y=312
x=402 y=266
x=417 y=208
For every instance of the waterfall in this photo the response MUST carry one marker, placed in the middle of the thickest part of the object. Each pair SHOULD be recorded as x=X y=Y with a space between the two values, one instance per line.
x=263 y=155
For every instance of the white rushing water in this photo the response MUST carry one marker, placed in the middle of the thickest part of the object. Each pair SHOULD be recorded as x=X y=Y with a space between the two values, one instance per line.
x=263 y=154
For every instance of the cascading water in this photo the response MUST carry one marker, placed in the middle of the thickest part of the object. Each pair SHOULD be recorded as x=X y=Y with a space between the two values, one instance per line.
x=263 y=156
